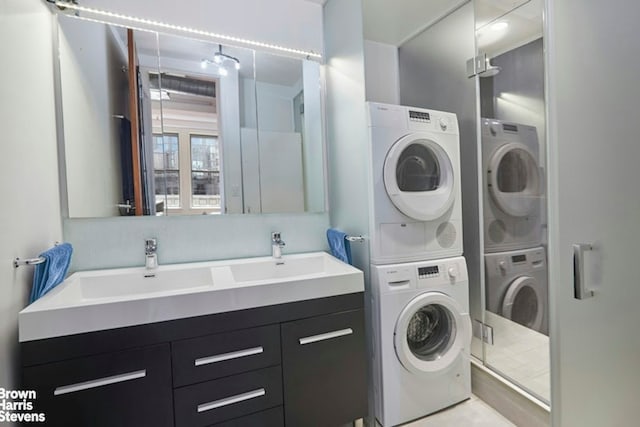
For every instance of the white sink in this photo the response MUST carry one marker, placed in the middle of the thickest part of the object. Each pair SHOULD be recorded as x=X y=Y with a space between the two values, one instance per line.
x=268 y=270
x=138 y=283
x=106 y=299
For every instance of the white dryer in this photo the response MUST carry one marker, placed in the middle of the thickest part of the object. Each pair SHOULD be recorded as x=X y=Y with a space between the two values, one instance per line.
x=415 y=184
x=517 y=287
x=422 y=338
x=513 y=186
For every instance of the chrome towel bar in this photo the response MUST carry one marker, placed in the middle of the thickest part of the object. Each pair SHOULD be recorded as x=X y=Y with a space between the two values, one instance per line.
x=17 y=262
x=28 y=261
x=355 y=238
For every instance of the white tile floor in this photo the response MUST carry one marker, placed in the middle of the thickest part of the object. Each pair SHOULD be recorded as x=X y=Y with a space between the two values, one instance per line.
x=519 y=353
x=471 y=413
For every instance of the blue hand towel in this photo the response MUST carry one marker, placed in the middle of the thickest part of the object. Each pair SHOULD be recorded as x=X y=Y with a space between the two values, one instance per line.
x=339 y=245
x=52 y=271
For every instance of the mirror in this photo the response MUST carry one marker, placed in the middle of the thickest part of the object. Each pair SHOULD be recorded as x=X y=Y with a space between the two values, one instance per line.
x=192 y=128
x=513 y=146
x=198 y=115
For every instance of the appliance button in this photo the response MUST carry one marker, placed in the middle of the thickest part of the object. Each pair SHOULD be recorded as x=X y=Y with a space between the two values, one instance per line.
x=443 y=124
x=503 y=266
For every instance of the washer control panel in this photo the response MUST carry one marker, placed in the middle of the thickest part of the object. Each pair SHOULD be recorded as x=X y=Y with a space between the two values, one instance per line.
x=423 y=274
x=426 y=272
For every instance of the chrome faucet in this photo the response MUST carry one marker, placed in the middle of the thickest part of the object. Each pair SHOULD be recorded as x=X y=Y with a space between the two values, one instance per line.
x=151 y=258
x=276 y=245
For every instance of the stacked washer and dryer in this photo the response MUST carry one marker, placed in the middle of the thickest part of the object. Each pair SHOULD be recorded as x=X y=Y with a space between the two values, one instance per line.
x=420 y=289
x=516 y=285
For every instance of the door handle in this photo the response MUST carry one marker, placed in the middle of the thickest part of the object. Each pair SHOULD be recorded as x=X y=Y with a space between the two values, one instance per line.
x=228 y=356
x=324 y=337
x=580 y=290
x=100 y=382
x=231 y=400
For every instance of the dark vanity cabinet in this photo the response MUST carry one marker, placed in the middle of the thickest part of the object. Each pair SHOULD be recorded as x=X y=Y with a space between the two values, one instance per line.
x=294 y=364
x=125 y=388
x=324 y=371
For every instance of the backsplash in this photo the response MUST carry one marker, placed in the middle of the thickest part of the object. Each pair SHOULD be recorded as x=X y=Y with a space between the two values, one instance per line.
x=119 y=242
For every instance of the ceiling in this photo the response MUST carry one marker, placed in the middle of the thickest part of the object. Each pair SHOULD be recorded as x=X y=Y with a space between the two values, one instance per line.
x=522 y=22
x=395 y=22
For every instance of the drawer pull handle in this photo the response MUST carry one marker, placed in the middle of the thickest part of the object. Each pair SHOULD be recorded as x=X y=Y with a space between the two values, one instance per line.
x=327 y=336
x=229 y=356
x=231 y=400
x=86 y=385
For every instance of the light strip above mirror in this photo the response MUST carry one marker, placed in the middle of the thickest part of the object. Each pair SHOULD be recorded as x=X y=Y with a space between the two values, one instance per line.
x=163 y=25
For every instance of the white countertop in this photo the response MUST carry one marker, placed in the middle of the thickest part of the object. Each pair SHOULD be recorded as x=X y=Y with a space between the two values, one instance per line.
x=106 y=299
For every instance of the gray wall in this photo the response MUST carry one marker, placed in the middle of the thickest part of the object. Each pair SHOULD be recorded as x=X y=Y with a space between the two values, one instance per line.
x=433 y=75
x=517 y=93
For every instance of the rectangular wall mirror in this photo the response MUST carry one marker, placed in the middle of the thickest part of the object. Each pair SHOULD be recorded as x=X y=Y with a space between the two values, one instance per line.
x=158 y=124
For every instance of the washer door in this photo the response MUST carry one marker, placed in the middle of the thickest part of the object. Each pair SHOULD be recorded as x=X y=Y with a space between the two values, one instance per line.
x=523 y=303
x=431 y=332
x=514 y=179
x=418 y=177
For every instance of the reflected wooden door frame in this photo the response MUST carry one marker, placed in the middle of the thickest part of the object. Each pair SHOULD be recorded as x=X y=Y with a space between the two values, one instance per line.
x=133 y=112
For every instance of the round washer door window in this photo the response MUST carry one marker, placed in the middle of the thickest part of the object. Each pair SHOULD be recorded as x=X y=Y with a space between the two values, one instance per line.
x=419 y=177
x=523 y=304
x=514 y=179
x=431 y=332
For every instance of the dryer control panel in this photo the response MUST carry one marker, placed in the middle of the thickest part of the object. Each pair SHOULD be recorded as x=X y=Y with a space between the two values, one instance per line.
x=419 y=116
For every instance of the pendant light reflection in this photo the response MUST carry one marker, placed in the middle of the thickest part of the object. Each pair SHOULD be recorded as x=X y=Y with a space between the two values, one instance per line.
x=221 y=61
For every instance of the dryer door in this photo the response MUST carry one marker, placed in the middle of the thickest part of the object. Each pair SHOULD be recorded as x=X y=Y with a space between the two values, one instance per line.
x=523 y=303
x=419 y=177
x=514 y=179
x=431 y=332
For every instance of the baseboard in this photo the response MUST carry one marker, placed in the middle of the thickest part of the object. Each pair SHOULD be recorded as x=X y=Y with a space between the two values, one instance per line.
x=513 y=403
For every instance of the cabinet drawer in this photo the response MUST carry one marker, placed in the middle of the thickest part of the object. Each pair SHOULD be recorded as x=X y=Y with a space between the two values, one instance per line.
x=273 y=417
x=128 y=388
x=324 y=364
x=215 y=356
x=224 y=399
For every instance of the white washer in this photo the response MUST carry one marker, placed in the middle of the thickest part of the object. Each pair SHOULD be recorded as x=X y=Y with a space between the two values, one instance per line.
x=517 y=287
x=422 y=338
x=513 y=186
x=415 y=184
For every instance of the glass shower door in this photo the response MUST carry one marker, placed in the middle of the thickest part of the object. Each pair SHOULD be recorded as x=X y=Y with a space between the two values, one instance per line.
x=510 y=88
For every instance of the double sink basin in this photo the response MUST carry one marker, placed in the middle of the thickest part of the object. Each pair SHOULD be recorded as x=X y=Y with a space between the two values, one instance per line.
x=106 y=299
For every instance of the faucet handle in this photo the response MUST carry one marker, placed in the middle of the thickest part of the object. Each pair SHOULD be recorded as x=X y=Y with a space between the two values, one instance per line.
x=150 y=245
x=275 y=237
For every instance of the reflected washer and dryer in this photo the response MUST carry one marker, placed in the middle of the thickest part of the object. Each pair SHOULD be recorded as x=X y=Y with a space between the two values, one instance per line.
x=414 y=184
x=513 y=186
x=422 y=338
x=517 y=287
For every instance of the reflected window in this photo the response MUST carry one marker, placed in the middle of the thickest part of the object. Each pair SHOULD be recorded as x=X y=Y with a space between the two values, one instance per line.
x=166 y=161
x=205 y=172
